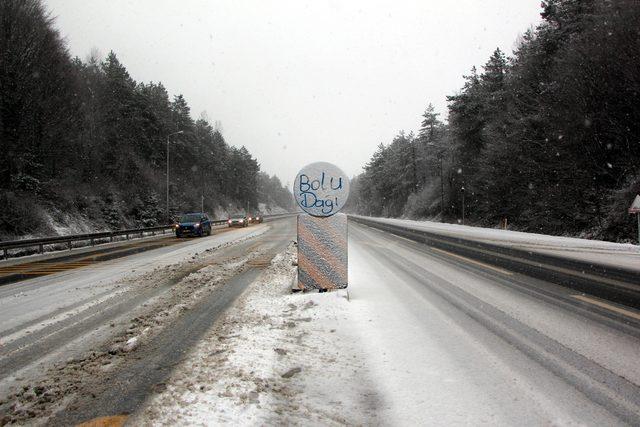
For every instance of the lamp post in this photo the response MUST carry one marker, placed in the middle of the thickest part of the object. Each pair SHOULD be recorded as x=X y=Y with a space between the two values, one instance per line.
x=169 y=136
x=441 y=190
x=462 y=189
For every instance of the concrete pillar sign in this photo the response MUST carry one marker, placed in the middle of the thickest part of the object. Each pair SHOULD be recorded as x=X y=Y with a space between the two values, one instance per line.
x=321 y=190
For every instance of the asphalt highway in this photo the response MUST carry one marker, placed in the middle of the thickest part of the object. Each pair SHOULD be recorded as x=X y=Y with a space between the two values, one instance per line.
x=522 y=350
x=458 y=340
x=95 y=340
x=18 y=269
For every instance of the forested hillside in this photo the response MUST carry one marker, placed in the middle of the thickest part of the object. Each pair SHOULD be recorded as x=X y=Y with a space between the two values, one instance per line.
x=84 y=140
x=548 y=138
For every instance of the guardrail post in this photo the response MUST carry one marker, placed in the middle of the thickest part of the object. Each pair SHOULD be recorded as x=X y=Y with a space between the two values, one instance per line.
x=58 y=242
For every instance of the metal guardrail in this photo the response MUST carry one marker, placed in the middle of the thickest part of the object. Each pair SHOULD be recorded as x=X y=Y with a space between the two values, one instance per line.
x=68 y=240
x=282 y=215
x=100 y=237
x=608 y=282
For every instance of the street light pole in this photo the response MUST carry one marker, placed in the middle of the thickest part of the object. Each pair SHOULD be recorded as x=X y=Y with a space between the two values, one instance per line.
x=462 y=205
x=168 y=136
x=441 y=191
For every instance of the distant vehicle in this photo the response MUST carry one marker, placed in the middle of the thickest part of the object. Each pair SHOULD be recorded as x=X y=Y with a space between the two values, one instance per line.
x=238 y=221
x=256 y=219
x=193 y=224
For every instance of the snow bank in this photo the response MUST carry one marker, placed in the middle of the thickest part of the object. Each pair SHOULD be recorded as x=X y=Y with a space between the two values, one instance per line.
x=276 y=358
x=272 y=210
x=597 y=251
x=169 y=289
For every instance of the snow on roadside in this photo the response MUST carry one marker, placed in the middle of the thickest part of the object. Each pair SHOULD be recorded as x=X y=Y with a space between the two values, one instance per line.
x=275 y=358
x=617 y=254
x=513 y=237
x=171 y=289
x=272 y=210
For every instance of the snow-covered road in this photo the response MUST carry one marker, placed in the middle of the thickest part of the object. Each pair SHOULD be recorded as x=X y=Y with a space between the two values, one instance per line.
x=423 y=337
x=623 y=255
x=69 y=333
x=457 y=342
x=426 y=338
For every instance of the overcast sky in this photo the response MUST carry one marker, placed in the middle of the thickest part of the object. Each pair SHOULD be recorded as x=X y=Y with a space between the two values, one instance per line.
x=301 y=81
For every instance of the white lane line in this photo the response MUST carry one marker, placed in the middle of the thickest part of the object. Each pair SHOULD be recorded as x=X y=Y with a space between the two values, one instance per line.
x=609 y=307
x=482 y=264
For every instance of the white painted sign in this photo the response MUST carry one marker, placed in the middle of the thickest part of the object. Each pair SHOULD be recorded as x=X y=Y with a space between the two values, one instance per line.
x=635 y=206
x=321 y=189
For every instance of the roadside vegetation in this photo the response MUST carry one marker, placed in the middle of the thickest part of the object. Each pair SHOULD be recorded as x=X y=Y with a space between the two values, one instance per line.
x=83 y=142
x=548 y=138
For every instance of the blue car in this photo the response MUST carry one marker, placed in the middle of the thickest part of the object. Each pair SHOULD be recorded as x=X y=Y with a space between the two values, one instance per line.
x=193 y=224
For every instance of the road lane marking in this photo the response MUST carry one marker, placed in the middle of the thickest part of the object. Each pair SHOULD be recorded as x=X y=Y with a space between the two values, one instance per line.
x=407 y=239
x=607 y=306
x=71 y=263
x=41 y=272
x=109 y=421
x=482 y=264
x=31 y=267
x=52 y=267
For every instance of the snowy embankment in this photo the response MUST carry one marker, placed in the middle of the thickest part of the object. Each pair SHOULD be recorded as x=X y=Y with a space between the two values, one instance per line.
x=597 y=251
x=60 y=223
x=276 y=357
x=270 y=210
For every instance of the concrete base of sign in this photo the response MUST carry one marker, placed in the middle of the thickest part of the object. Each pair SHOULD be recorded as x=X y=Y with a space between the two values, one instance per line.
x=322 y=252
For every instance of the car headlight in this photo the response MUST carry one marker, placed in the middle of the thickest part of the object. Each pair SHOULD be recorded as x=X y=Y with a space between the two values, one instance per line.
x=196 y=225
x=242 y=220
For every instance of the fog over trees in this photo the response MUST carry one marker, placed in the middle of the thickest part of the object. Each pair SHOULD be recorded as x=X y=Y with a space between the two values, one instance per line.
x=84 y=137
x=548 y=138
